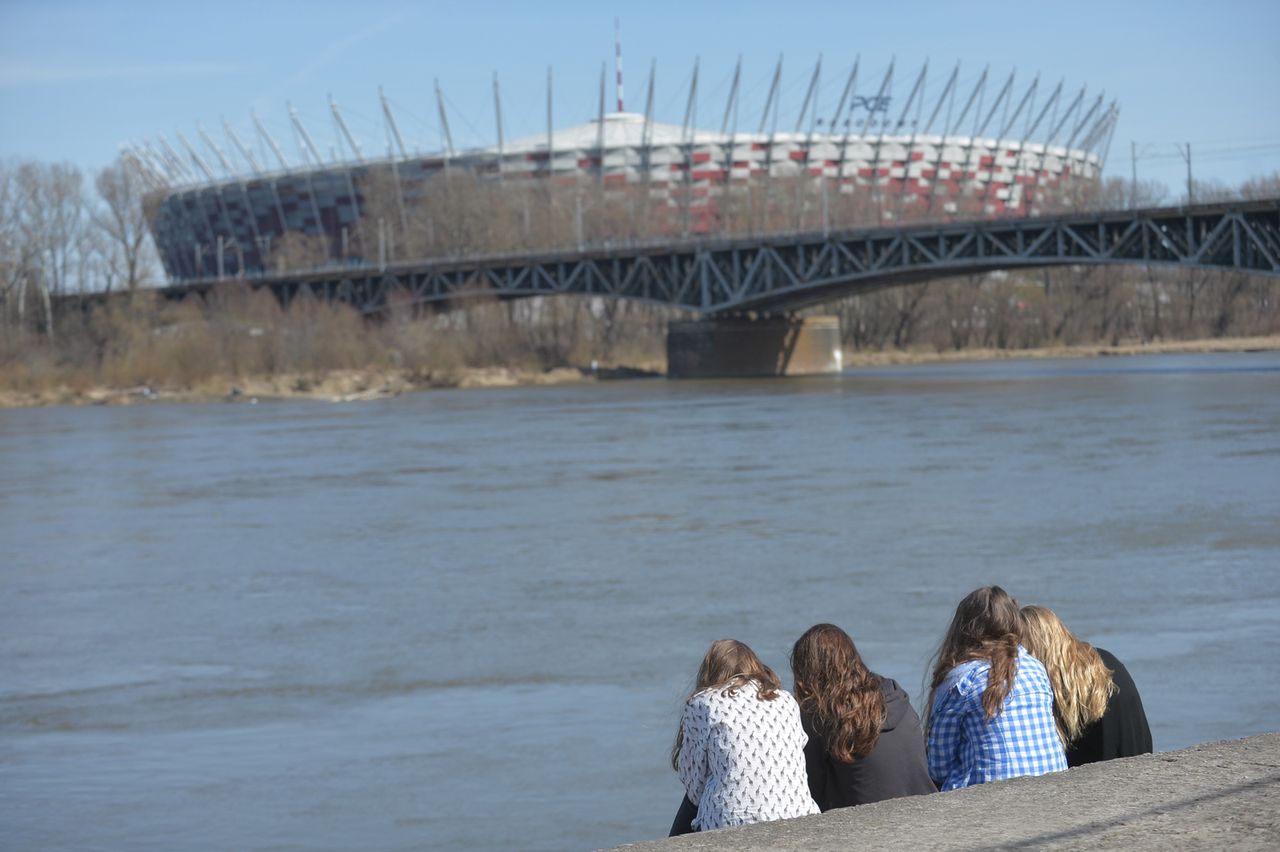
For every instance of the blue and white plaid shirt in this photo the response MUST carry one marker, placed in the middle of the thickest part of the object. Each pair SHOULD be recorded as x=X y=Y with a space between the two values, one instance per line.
x=966 y=749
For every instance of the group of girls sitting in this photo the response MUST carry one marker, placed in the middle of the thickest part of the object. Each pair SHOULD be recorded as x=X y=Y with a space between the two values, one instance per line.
x=1013 y=693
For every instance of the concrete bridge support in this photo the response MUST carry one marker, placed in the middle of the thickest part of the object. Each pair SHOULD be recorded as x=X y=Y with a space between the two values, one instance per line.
x=741 y=347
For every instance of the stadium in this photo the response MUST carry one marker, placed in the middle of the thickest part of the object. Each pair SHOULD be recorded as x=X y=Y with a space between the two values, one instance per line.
x=873 y=157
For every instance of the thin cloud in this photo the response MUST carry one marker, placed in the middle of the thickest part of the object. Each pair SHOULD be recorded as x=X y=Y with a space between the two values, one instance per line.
x=329 y=54
x=18 y=74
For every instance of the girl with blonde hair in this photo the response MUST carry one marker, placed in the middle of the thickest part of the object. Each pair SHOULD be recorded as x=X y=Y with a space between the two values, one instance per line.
x=1096 y=703
x=990 y=703
x=740 y=747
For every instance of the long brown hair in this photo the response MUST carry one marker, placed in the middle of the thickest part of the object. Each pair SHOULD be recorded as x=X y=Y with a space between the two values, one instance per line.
x=1081 y=681
x=838 y=688
x=727 y=666
x=985 y=627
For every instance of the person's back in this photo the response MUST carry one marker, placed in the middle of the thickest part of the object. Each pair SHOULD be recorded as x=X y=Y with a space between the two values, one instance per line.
x=742 y=759
x=895 y=767
x=966 y=748
x=1122 y=731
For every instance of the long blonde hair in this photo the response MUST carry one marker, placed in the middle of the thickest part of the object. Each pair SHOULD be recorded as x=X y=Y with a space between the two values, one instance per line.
x=1081 y=681
x=728 y=666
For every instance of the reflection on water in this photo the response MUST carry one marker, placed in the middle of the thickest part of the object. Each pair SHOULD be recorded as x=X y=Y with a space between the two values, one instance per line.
x=467 y=619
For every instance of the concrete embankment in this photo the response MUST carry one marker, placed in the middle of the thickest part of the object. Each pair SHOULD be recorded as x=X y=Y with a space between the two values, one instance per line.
x=1222 y=795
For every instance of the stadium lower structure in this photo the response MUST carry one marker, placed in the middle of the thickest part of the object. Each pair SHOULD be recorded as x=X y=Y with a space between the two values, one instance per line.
x=234 y=227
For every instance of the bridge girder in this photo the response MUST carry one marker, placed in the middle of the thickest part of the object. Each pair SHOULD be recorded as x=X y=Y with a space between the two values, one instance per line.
x=779 y=273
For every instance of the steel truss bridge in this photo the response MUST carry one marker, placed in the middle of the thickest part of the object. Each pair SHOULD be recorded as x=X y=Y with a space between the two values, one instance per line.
x=779 y=273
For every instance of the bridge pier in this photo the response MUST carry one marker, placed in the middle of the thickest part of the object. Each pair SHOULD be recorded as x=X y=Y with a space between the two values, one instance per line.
x=740 y=347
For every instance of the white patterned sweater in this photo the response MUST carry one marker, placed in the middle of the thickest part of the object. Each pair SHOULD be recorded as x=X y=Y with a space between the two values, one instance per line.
x=742 y=759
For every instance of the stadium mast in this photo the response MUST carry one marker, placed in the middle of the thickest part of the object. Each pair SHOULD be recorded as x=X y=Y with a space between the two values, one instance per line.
x=646 y=132
x=244 y=190
x=159 y=155
x=393 y=132
x=808 y=144
x=948 y=96
x=240 y=146
x=731 y=110
x=175 y=160
x=391 y=122
x=600 y=129
x=551 y=165
x=617 y=60
x=342 y=125
x=866 y=124
x=195 y=157
x=444 y=124
x=217 y=152
x=850 y=88
x=304 y=136
x=1087 y=118
x=1026 y=141
x=156 y=162
x=262 y=132
x=769 y=104
x=917 y=90
x=688 y=134
x=497 y=115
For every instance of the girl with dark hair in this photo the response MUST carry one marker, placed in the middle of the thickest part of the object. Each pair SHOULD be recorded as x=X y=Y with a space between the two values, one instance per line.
x=865 y=741
x=990 y=702
x=740 y=747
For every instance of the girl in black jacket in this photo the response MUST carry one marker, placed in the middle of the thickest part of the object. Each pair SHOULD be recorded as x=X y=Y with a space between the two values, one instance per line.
x=865 y=742
x=1096 y=702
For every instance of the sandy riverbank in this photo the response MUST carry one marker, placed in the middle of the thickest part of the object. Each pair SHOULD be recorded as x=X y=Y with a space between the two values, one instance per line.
x=929 y=356
x=364 y=385
x=333 y=386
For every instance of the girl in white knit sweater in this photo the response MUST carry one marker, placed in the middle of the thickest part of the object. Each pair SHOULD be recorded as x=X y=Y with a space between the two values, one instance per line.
x=740 y=747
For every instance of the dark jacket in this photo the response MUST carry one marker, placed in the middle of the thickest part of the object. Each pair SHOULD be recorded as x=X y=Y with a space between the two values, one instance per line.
x=1122 y=731
x=895 y=767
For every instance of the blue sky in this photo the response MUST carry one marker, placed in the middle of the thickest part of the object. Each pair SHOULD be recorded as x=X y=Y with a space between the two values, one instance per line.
x=77 y=79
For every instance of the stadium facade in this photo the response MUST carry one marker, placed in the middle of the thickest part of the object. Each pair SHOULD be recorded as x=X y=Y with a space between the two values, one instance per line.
x=221 y=211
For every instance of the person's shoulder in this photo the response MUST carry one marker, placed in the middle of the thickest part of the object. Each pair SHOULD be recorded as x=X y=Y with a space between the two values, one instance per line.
x=1031 y=664
x=890 y=688
x=1108 y=659
x=703 y=697
x=969 y=676
x=722 y=694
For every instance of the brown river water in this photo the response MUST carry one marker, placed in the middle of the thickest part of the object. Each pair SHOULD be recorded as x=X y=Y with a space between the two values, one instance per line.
x=468 y=619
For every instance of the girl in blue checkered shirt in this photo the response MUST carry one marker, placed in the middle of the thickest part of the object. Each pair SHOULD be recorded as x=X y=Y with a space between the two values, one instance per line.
x=991 y=703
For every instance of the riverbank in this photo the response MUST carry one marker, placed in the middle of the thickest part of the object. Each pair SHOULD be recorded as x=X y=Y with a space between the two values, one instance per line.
x=1096 y=350
x=1223 y=795
x=381 y=383
x=331 y=386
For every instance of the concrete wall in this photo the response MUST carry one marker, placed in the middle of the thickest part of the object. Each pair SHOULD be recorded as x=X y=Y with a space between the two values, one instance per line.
x=739 y=347
x=1215 y=796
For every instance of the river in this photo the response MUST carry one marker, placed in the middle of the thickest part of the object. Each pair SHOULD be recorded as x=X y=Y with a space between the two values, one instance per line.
x=469 y=619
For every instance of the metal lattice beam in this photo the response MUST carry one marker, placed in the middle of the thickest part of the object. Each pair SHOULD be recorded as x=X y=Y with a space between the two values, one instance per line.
x=790 y=271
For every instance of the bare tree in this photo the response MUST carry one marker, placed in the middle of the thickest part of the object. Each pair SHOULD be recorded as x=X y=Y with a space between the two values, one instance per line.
x=17 y=253
x=122 y=220
x=1265 y=186
x=296 y=250
x=50 y=220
